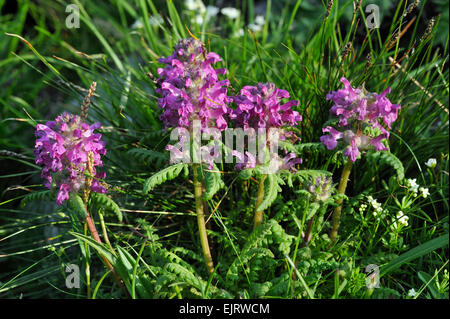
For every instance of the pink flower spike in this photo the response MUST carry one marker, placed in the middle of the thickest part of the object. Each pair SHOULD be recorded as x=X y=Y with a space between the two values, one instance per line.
x=190 y=88
x=362 y=114
x=62 y=148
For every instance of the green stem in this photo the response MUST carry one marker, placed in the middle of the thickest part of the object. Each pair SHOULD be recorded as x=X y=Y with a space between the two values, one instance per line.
x=87 y=270
x=341 y=190
x=258 y=218
x=198 y=193
x=105 y=233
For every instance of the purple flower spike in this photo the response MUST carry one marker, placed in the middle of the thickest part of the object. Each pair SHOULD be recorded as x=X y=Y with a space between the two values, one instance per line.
x=261 y=107
x=190 y=88
x=358 y=113
x=62 y=148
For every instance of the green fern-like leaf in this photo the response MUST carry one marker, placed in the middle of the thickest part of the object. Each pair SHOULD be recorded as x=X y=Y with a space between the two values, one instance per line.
x=42 y=195
x=256 y=237
x=271 y=189
x=387 y=158
x=162 y=176
x=183 y=273
x=107 y=202
x=213 y=182
x=149 y=156
x=309 y=148
x=245 y=257
x=77 y=204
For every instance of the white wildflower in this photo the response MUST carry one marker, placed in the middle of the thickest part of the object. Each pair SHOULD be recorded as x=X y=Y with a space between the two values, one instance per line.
x=231 y=13
x=413 y=186
x=424 y=192
x=155 y=20
x=199 y=19
x=431 y=163
x=375 y=204
x=255 y=27
x=239 y=33
x=259 y=20
x=137 y=25
x=362 y=208
x=411 y=292
x=402 y=218
x=195 y=5
x=211 y=11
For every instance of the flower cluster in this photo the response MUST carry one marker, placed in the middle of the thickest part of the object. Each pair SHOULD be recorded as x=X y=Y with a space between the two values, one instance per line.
x=190 y=88
x=412 y=292
x=375 y=205
x=203 y=13
x=415 y=188
x=378 y=211
x=260 y=107
x=401 y=220
x=359 y=115
x=68 y=149
x=230 y=12
x=321 y=188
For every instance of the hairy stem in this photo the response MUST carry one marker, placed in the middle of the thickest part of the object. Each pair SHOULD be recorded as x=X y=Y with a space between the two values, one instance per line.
x=341 y=190
x=258 y=218
x=198 y=193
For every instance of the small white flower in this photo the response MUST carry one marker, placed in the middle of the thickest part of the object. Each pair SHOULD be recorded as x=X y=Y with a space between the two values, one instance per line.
x=137 y=25
x=255 y=27
x=190 y=4
x=412 y=185
x=239 y=33
x=155 y=20
x=195 y=5
x=362 y=208
x=231 y=13
x=431 y=163
x=211 y=11
x=199 y=19
x=402 y=218
x=259 y=20
x=424 y=191
x=411 y=292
